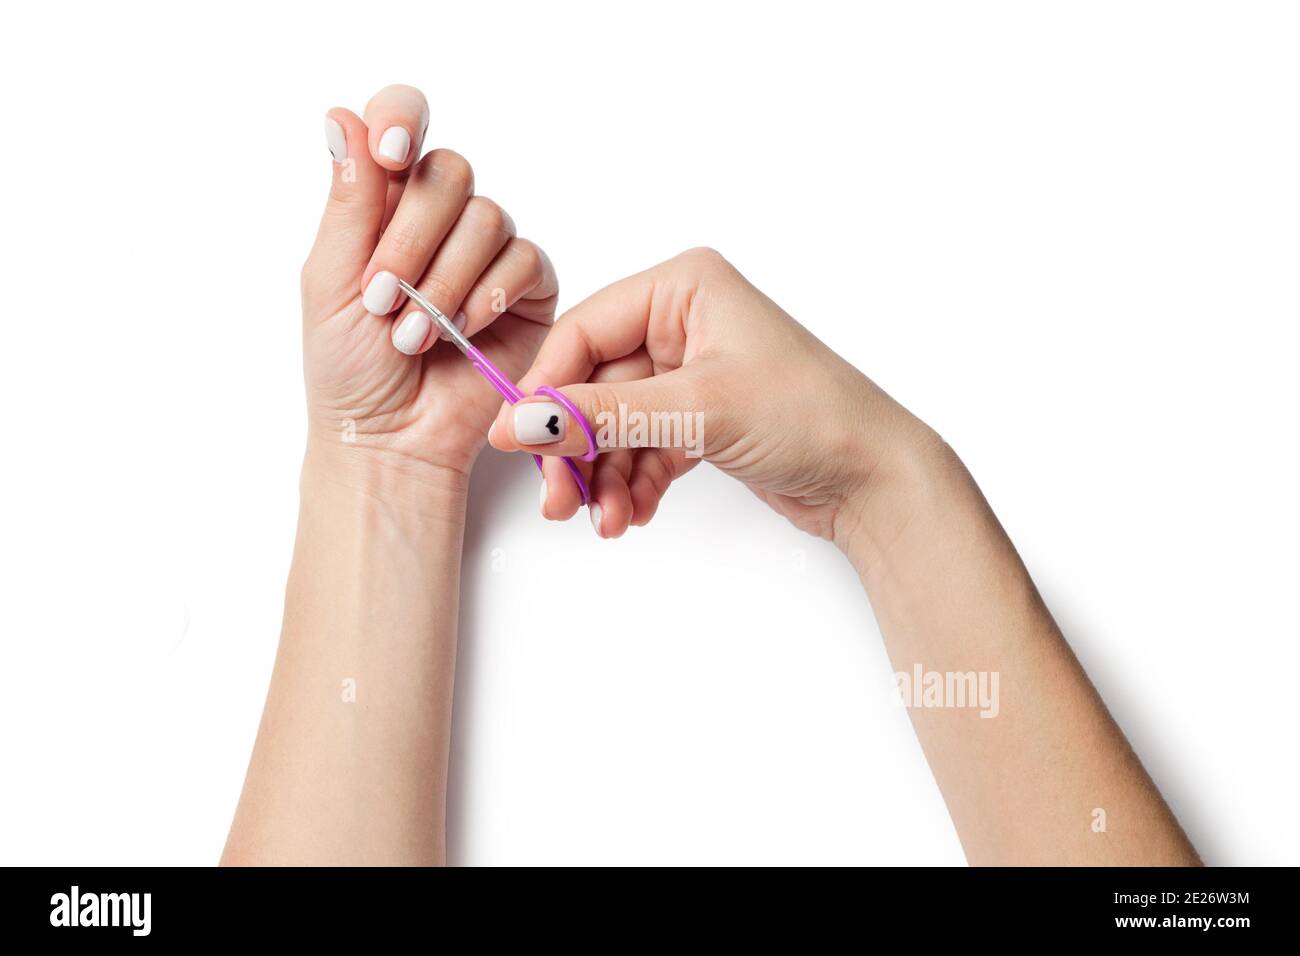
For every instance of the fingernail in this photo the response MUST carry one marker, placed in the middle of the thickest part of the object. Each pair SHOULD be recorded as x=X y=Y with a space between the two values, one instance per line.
x=542 y=498
x=336 y=140
x=491 y=430
x=457 y=320
x=597 y=515
x=539 y=423
x=381 y=294
x=395 y=144
x=410 y=333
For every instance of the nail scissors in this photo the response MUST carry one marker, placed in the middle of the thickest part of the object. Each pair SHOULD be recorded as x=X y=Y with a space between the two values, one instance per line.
x=509 y=391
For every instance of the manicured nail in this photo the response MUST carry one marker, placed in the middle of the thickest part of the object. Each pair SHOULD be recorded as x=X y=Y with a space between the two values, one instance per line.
x=395 y=144
x=336 y=140
x=542 y=498
x=381 y=294
x=539 y=423
x=410 y=333
x=457 y=320
x=597 y=515
x=491 y=430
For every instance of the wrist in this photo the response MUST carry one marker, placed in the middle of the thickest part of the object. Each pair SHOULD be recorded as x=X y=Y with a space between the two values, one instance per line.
x=905 y=479
x=419 y=490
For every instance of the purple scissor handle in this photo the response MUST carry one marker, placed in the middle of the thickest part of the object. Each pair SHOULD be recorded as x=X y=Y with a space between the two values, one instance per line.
x=509 y=391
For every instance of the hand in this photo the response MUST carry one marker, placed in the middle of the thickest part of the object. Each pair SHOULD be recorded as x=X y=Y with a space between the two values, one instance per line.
x=780 y=411
x=385 y=386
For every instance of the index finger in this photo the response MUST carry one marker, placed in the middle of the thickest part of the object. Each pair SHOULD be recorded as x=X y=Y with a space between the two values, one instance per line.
x=646 y=309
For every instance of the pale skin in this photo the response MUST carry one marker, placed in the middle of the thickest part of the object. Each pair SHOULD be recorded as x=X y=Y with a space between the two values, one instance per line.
x=350 y=763
x=844 y=461
x=373 y=587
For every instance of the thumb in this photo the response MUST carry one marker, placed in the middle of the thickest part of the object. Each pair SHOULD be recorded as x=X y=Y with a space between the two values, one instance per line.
x=665 y=411
x=354 y=212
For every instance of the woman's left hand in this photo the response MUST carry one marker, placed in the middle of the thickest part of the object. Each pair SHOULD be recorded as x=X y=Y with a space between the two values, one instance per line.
x=378 y=380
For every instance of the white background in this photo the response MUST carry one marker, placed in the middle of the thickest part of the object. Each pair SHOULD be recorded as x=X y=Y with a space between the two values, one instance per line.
x=1065 y=235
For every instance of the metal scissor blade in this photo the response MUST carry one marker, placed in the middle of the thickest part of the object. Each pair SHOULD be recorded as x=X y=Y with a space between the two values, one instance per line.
x=445 y=325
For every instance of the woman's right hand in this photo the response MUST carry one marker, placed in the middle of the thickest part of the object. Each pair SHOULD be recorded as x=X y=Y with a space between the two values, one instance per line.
x=781 y=412
x=827 y=448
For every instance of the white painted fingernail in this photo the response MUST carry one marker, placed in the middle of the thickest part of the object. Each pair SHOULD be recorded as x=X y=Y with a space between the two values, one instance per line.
x=410 y=333
x=395 y=144
x=381 y=294
x=336 y=140
x=492 y=431
x=457 y=320
x=597 y=515
x=542 y=498
x=539 y=423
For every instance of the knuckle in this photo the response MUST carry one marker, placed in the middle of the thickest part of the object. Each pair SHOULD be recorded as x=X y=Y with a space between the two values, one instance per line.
x=704 y=257
x=405 y=240
x=452 y=168
x=487 y=216
x=439 y=290
x=530 y=257
x=600 y=399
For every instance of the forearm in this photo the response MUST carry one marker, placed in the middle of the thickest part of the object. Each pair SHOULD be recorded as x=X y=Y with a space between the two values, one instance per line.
x=350 y=763
x=952 y=597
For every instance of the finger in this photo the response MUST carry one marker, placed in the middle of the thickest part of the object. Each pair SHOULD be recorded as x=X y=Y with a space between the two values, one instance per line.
x=510 y=343
x=602 y=328
x=560 y=496
x=395 y=189
x=611 y=508
x=607 y=479
x=350 y=224
x=653 y=470
x=521 y=280
x=397 y=118
x=435 y=194
x=480 y=233
x=662 y=411
x=648 y=309
x=611 y=501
